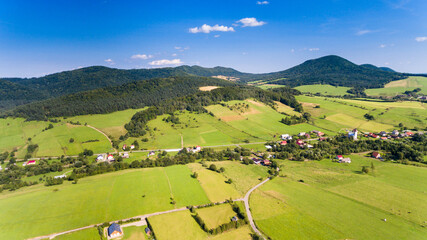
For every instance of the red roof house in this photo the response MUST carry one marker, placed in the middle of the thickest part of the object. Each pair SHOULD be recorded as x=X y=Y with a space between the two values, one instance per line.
x=283 y=143
x=31 y=162
x=376 y=155
x=339 y=157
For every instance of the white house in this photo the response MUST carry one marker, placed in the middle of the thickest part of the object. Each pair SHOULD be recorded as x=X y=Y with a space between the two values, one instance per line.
x=286 y=137
x=61 y=176
x=110 y=157
x=132 y=147
x=100 y=158
x=301 y=134
x=345 y=160
x=125 y=155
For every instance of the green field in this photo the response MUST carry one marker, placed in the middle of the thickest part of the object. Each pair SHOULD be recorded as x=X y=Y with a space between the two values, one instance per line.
x=339 y=114
x=335 y=201
x=214 y=184
x=96 y=199
x=177 y=225
x=134 y=233
x=216 y=215
x=111 y=123
x=324 y=89
x=399 y=87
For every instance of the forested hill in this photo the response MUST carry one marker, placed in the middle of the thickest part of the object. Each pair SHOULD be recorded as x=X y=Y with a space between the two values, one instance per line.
x=110 y=99
x=333 y=70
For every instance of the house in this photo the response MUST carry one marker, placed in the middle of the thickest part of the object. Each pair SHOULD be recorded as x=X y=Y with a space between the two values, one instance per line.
x=114 y=230
x=301 y=134
x=353 y=134
x=31 y=162
x=124 y=147
x=283 y=143
x=376 y=155
x=60 y=176
x=256 y=161
x=147 y=231
x=300 y=142
x=268 y=147
x=383 y=133
x=409 y=133
x=372 y=135
x=100 y=158
x=309 y=146
x=151 y=153
x=395 y=133
x=345 y=160
x=234 y=219
x=286 y=137
x=339 y=157
x=194 y=149
x=384 y=138
x=266 y=162
x=132 y=147
x=1 y=168
x=322 y=139
x=125 y=155
x=318 y=133
x=110 y=157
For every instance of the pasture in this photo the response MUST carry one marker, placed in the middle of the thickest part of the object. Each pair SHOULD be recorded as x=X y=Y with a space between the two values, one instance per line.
x=96 y=199
x=336 y=201
x=400 y=86
x=324 y=89
x=87 y=234
x=177 y=225
x=216 y=215
x=214 y=184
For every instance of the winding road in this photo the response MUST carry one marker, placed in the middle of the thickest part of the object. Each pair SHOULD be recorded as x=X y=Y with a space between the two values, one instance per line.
x=143 y=220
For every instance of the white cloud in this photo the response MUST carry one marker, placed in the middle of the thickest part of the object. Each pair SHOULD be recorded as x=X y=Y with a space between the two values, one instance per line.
x=363 y=32
x=177 y=48
x=142 y=56
x=383 y=45
x=313 y=49
x=109 y=61
x=166 y=62
x=262 y=2
x=421 y=39
x=292 y=50
x=217 y=36
x=207 y=29
x=174 y=55
x=250 y=22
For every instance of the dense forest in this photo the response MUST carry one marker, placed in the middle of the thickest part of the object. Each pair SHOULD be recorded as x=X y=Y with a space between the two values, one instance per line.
x=196 y=103
x=110 y=99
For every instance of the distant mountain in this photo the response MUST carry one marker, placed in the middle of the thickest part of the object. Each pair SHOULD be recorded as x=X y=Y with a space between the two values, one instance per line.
x=333 y=70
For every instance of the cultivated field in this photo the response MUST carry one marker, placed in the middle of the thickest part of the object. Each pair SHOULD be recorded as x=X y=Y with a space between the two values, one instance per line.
x=336 y=201
x=43 y=210
x=398 y=87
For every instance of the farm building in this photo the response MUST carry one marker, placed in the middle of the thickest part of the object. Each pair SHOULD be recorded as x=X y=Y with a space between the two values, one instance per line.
x=110 y=157
x=31 y=162
x=353 y=134
x=301 y=134
x=60 y=176
x=132 y=147
x=376 y=155
x=300 y=143
x=268 y=147
x=114 y=230
x=339 y=157
x=147 y=231
x=266 y=162
x=125 y=155
x=124 y=147
x=283 y=143
x=286 y=137
x=395 y=133
x=151 y=153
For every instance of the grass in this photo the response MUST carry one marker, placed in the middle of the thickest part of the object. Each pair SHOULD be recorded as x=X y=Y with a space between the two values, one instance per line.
x=337 y=202
x=338 y=114
x=216 y=215
x=244 y=176
x=242 y=233
x=96 y=199
x=111 y=123
x=214 y=184
x=177 y=225
x=134 y=233
x=269 y=86
x=87 y=234
x=324 y=89
x=55 y=141
x=399 y=87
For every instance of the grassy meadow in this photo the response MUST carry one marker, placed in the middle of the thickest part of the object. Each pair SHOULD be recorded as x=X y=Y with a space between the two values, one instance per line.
x=336 y=201
x=96 y=199
x=216 y=215
x=399 y=87
x=339 y=114
x=324 y=89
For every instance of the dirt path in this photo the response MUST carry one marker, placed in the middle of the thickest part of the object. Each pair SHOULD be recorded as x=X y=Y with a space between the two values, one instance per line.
x=96 y=129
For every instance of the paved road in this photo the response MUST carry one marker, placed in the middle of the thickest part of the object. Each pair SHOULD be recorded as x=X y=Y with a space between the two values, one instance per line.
x=248 y=210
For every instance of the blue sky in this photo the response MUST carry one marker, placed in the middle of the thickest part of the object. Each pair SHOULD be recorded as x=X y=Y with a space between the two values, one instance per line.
x=43 y=37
